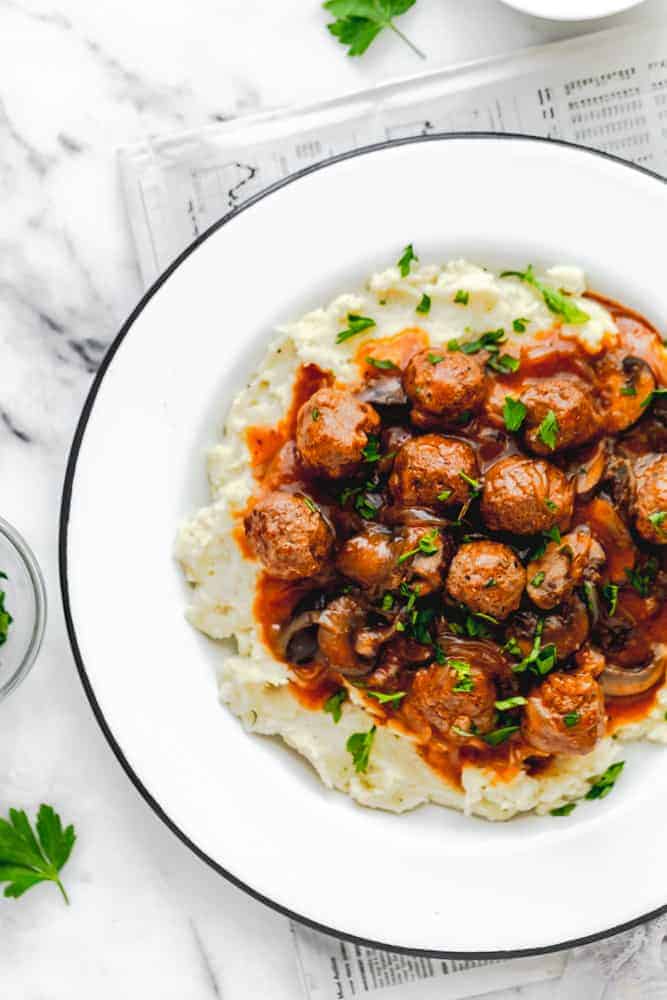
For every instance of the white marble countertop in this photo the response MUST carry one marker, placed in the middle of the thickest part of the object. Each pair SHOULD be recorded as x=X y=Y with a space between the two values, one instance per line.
x=78 y=80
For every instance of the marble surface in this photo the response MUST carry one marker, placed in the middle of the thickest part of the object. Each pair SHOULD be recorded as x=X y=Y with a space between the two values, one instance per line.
x=78 y=80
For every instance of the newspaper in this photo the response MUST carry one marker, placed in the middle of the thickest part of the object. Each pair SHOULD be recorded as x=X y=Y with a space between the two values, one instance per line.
x=607 y=90
x=337 y=970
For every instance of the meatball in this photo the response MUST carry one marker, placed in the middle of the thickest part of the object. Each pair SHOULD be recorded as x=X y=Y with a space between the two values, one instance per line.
x=444 y=385
x=565 y=714
x=571 y=402
x=564 y=565
x=446 y=699
x=625 y=383
x=433 y=470
x=289 y=535
x=332 y=430
x=368 y=558
x=487 y=577
x=525 y=496
x=650 y=506
x=567 y=629
x=338 y=625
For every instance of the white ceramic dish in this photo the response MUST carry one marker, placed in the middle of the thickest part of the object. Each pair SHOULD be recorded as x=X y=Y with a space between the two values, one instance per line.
x=572 y=10
x=430 y=880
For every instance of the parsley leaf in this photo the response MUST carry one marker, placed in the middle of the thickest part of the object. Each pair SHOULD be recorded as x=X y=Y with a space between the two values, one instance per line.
x=605 y=782
x=512 y=647
x=26 y=859
x=563 y=810
x=538 y=579
x=387 y=602
x=571 y=719
x=462 y=298
x=556 y=301
x=548 y=430
x=657 y=518
x=356 y=324
x=359 y=746
x=315 y=415
x=333 y=704
x=406 y=259
x=656 y=394
x=520 y=325
x=463 y=673
x=541 y=659
x=424 y=305
x=444 y=495
x=387 y=698
x=504 y=364
x=371 y=451
x=434 y=359
x=500 y=735
x=359 y=22
x=384 y=364
x=629 y=390
x=488 y=341
x=427 y=545
x=514 y=413
x=642 y=580
x=310 y=504
x=610 y=591
x=474 y=484
x=5 y=617
x=518 y=699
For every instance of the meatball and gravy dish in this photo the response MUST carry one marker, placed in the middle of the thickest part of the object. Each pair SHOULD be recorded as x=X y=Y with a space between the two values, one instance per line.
x=437 y=540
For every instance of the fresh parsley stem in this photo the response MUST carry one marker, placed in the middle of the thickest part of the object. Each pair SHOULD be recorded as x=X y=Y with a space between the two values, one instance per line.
x=407 y=41
x=62 y=889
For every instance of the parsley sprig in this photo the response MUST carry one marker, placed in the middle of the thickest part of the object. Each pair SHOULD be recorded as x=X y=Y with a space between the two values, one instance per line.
x=359 y=745
x=541 y=659
x=26 y=858
x=427 y=545
x=334 y=704
x=355 y=324
x=556 y=301
x=359 y=22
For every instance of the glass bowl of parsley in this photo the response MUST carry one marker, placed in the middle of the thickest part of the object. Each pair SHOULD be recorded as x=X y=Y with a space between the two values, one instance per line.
x=22 y=608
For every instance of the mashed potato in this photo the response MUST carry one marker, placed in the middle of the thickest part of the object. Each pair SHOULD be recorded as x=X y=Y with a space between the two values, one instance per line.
x=251 y=682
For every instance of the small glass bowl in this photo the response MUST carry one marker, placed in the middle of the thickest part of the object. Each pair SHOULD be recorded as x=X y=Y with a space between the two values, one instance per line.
x=25 y=600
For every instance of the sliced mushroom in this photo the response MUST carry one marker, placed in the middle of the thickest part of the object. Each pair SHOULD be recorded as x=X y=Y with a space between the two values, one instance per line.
x=619 y=682
x=384 y=391
x=298 y=639
x=588 y=467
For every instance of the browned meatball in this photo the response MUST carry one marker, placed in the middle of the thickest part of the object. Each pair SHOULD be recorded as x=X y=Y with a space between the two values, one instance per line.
x=368 y=558
x=487 y=577
x=526 y=496
x=650 y=507
x=332 y=430
x=445 y=699
x=571 y=403
x=444 y=384
x=433 y=471
x=565 y=714
x=339 y=624
x=563 y=566
x=289 y=535
x=625 y=383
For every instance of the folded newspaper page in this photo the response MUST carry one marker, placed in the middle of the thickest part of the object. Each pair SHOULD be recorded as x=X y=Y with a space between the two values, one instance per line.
x=607 y=90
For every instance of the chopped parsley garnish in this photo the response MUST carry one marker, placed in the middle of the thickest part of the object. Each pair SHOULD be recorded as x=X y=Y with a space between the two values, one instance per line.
x=384 y=364
x=541 y=659
x=371 y=452
x=474 y=484
x=5 y=617
x=657 y=519
x=656 y=394
x=571 y=719
x=310 y=504
x=488 y=341
x=387 y=602
x=475 y=625
x=435 y=358
x=315 y=414
x=420 y=622
x=364 y=507
x=538 y=579
x=550 y=505
x=563 y=810
x=515 y=702
x=512 y=647
x=356 y=324
x=384 y=699
x=642 y=580
x=629 y=390
x=489 y=583
x=462 y=298
x=605 y=782
x=461 y=732
x=359 y=745
x=453 y=345
x=520 y=325
x=444 y=495
x=463 y=673
x=610 y=591
x=406 y=259
x=548 y=430
x=427 y=545
x=424 y=305
x=333 y=704
x=500 y=735
x=514 y=413
x=504 y=364
x=556 y=301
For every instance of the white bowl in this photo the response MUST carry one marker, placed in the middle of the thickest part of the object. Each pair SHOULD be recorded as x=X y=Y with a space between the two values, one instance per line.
x=572 y=10
x=431 y=880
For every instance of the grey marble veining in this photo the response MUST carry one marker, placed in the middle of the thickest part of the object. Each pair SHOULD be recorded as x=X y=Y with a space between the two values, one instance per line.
x=77 y=81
